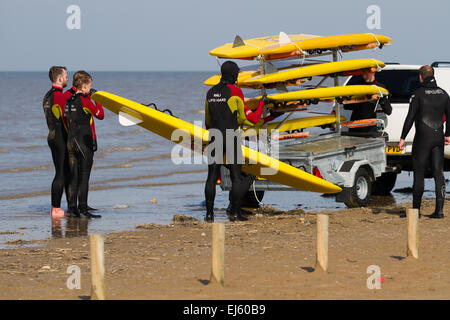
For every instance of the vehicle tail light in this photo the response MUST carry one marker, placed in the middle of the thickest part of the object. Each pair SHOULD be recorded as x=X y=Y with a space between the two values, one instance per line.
x=317 y=173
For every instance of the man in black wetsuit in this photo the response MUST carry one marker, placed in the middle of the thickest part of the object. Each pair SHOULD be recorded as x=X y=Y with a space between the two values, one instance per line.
x=53 y=105
x=225 y=110
x=367 y=110
x=79 y=110
x=427 y=108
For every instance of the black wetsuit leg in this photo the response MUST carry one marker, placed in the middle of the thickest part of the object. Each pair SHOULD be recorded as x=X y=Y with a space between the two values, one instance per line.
x=80 y=171
x=210 y=186
x=437 y=168
x=240 y=183
x=420 y=160
x=85 y=167
x=428 y=152
x=58 y=148
x=74 y=160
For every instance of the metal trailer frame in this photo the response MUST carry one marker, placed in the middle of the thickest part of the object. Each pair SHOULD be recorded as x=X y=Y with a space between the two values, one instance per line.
x=337 y=157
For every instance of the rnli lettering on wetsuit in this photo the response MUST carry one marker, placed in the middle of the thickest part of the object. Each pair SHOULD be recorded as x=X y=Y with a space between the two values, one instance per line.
x=427 y=108
x=225 y=108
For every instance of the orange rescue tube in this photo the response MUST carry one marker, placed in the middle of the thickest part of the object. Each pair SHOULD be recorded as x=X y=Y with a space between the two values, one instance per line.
x=359 y=123
x=291 y=136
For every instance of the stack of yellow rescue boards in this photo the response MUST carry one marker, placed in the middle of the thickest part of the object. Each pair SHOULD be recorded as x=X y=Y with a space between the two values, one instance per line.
x=299 y=54
x=298 y=49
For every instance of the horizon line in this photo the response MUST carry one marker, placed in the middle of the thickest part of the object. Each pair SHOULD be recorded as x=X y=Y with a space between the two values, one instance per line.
x=114 y=70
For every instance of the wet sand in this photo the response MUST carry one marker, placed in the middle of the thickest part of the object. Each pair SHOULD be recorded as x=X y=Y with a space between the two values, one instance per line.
x=272 y=256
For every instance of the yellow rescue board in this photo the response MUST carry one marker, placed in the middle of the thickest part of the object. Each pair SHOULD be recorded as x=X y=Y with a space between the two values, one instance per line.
x=252 y=47
x=294 y=124
x=164 y=125
x=301 y=43
x=345 y=42
x=314 y=70
x=329 y=93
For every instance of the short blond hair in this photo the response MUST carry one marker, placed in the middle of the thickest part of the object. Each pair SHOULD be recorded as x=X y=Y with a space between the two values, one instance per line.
x=80 y=78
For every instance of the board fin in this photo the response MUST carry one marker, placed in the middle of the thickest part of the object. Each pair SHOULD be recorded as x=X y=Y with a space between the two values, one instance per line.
x=238 y=42
x=270 y=68
x=281 y=87
x=283 y=38
x=127 y=120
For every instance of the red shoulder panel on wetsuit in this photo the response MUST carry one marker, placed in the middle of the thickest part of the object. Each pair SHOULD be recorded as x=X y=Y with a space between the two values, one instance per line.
x=252 y=116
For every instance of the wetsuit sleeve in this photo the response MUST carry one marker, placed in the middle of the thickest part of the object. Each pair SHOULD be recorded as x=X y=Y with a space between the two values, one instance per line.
x=96 y=109
x=254 y=116
x=447 y=118
x=244 y=112
x=349 y=106
x=207 y=116
x=386 y=105
x=413 y=108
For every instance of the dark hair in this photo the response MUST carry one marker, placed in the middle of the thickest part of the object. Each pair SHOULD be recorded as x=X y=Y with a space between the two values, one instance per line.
x=55 y=72
x=81 y=77
x=426 y=71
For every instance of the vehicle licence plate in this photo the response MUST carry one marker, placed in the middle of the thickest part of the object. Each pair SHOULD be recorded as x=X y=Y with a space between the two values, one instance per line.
x=393 y=150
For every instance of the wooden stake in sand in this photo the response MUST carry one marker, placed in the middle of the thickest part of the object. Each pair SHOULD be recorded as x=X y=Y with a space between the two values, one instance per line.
x=218 y=252
x=322 y=241
x=413 y=233
x=97 y=267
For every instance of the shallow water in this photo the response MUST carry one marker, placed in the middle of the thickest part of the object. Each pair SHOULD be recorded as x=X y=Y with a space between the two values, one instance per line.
x=131 y=168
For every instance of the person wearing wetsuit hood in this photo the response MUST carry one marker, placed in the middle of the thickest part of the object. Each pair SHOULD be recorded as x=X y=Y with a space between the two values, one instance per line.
x=53 y=105
x=428 y=106
x=79 y=110
x=224 y=110
x=367 y=110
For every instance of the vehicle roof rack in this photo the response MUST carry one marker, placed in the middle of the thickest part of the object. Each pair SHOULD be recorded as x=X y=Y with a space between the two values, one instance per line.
x=437 y=64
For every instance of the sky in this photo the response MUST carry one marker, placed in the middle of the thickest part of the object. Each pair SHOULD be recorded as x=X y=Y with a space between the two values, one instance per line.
x=169 y=35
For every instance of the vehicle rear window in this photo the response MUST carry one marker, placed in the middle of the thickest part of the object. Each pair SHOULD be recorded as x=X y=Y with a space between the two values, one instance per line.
x=401 y=84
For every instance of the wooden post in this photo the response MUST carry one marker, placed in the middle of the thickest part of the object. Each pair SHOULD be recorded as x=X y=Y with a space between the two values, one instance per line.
x=218 y=252
x=413 y=233
x=322 y=241
x=97 y=267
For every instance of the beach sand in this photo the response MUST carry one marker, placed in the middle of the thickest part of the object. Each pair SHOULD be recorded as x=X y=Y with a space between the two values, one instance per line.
x=271 y=256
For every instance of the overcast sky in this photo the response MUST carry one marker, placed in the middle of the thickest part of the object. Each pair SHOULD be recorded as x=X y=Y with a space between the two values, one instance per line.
x=169 y=35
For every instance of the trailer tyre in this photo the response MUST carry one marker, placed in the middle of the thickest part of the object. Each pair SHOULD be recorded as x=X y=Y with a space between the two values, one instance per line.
x=361 y=191
x=384 y=184
x=250 y=201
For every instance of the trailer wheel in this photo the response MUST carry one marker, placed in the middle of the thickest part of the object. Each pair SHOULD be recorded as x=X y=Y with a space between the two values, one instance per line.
x=250 y=201
x=384 y=184
x=361 y=191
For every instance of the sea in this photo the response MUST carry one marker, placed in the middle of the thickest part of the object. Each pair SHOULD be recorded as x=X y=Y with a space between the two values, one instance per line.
x=133 y=180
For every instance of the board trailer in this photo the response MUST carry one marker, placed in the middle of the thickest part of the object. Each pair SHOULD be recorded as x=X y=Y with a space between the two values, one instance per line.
x=353 y=163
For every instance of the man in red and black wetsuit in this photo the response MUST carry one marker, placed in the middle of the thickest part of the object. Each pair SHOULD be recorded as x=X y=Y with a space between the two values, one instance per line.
x=53 y=104
x=225 y=110
x=79 y=110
